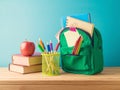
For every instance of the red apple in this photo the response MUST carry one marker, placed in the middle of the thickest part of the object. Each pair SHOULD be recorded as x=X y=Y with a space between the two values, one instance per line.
x=27 y=48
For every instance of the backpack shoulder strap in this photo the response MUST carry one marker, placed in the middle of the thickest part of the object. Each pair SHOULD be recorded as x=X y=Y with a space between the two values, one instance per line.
x=97 y=38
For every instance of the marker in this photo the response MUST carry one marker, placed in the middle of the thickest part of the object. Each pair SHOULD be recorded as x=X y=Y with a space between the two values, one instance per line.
x=51 y=46
x=48 y=47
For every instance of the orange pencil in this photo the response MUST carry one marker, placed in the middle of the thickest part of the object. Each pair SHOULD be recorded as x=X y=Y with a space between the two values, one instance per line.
x=79 y=45
x=42 y=44
x=76 y=46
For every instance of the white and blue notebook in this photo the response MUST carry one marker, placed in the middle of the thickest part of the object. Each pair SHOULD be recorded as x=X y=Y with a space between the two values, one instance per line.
x=85 y=17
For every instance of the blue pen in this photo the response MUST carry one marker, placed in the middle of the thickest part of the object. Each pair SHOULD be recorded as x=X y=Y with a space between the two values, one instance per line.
x=48 y=47
x=51 y=46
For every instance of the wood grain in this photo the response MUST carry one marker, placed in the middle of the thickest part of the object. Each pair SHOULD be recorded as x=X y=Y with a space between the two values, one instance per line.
x=109 y=79
x=59 y=87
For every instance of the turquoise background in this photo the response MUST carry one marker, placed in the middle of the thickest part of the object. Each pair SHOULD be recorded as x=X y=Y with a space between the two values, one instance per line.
x=31 y=19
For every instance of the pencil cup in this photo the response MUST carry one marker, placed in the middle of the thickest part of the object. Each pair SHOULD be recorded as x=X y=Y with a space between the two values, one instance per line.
x=51 y=64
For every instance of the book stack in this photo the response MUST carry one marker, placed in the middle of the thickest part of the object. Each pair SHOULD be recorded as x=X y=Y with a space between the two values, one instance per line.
x=26 y=64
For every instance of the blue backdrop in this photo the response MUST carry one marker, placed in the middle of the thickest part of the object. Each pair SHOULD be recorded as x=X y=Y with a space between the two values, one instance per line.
x=31 y=19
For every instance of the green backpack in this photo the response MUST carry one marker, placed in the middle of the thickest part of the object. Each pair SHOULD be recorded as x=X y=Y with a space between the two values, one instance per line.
x=90 y=58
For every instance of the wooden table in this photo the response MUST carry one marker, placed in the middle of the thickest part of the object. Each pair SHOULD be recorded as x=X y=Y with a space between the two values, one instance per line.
x=109 y=79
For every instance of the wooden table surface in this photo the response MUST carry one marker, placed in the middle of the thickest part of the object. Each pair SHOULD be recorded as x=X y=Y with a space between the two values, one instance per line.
x=109 y=79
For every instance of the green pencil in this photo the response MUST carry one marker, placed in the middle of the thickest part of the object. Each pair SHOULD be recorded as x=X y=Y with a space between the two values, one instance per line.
x=40 y=47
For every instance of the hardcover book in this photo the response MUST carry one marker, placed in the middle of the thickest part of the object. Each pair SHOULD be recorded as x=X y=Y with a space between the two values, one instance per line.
x=18 y=59
x=25 y=69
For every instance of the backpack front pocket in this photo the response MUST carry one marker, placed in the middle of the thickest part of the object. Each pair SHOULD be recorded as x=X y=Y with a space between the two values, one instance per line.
x=76 y=63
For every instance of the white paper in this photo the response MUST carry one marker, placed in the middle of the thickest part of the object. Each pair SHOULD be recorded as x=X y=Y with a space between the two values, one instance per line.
x=71 y=37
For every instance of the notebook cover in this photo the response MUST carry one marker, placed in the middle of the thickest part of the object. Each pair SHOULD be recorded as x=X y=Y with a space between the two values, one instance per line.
x=85 y=17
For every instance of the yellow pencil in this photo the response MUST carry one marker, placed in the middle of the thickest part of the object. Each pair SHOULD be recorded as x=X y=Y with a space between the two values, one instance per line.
x=42 y=44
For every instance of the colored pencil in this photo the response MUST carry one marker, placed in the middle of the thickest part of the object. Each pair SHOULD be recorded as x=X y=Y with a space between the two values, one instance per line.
x=76 y=46
x=79 y=45
x=57 y=46
x=40 y=47
x=48 y=47
x=51 y=46
x=42 y=44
